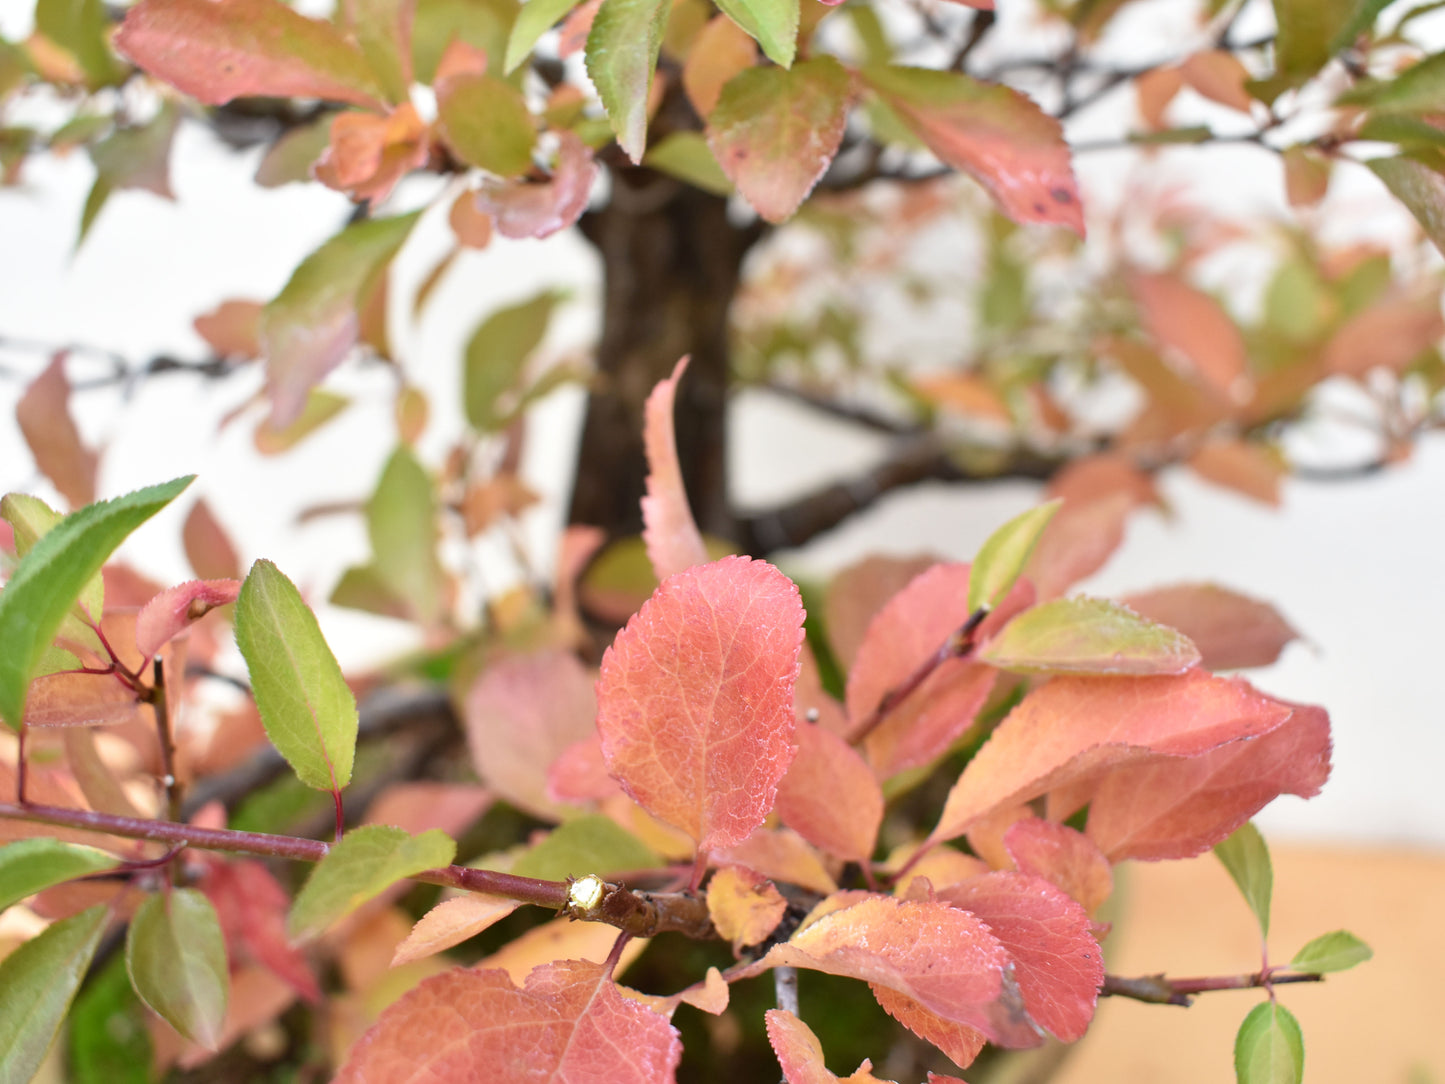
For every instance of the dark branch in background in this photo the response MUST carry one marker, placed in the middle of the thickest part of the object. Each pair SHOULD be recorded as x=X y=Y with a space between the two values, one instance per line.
x=385 y=712
x=124 y=373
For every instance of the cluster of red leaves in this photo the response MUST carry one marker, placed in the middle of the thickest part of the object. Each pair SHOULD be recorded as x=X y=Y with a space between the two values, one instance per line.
x=707 y=720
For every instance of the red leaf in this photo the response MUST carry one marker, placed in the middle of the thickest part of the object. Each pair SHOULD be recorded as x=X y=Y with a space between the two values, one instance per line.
x=532 y=209
x=1197 y=327
x=695 y=701
x=1390 y=334
x=1057 y=963
x=672 y=538
x=830 y=796
x=74 y=699
x=521 y=715
x=1074 y=726
x=943 y=958
x=419 y=806
x=232 y=329
x=775 y=131
x=959 y=1041
x=994 y=134
x=44 y=416
x=251 y=906
x=1176 y=807
x=168 y=614
x=1059 y=854
x=904 y=635
x=1241 y=466
x=858 y=592
x=216 y=50
x=1231 y=630
x=579 y=774
x=568 y=1025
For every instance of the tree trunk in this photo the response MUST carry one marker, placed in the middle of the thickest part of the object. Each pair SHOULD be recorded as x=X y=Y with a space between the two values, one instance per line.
x=671 y=263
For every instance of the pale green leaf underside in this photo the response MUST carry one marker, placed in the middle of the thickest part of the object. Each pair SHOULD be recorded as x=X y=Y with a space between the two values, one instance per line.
x=175 y=954
x=366 y=862
x=37 y=982
x=50 y=578
x=1088 y=636
x=773 y=24
x=1003 y=557
x=29 y=866
x=306 y=707
x=533 y=20
x=621 y=57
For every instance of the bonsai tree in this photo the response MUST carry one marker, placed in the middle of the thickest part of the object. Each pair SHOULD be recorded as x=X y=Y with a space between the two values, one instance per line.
x=926 y=786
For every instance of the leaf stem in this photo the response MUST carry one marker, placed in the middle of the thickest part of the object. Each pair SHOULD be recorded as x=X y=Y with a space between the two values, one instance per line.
x=1158 y=990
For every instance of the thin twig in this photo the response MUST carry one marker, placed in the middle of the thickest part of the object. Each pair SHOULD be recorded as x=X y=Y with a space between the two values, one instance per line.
x=1158 y=990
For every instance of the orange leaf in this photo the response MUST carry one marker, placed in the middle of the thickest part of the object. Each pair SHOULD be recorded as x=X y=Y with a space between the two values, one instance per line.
x=521 y=715
x=745 y=906
x=1196 y=326
x=780 y=855
x=695 y=699
x=670 y=533
x=232 y=328
x=1074 y=726
x=208 y=549
x=858 y=592
x=939 y=956
x=472 y=226
x=1177 y=807
x=1057 y=963
x=1220 y=77
x=1059 y=854
x=568 y=1023
x=1390 y=334
x=70 y=698
x=721 y=51
x=369 y=154
x=801 y=1054
x=44 y=416
x=830 y=796
x=1306 y=175
x=1241 y=466
x=1155 y=90
x=450 y=923
x=1231 y=630
x=959 y=1041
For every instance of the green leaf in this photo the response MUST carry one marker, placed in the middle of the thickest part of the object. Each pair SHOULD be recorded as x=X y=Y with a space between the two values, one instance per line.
x=1269 y=1048
x=587 y=844
x=1307 y=37
x=131 y=157
x=486 y=122
x=30 y=865
x=1004 y=556
x=107 y=1039
x=773 y=24
x=321 y=406
x=310 y=326
x=496 y=355
x=1420 y=189
x=1337 y=951
x=30 y=518
x=621 y=57
x=775 y=132
x=366 y=862
x=49 y=579
x=362 y=588
x=305 y=704
x=37 y=982
x=1246 y=857
x=534 y=19
x=686 y=156
x=82 y=29
x=1418 y=89
x=401 y=519
x=383 y=30
x=485 y=24
x=1088 y=636
x=176 y=956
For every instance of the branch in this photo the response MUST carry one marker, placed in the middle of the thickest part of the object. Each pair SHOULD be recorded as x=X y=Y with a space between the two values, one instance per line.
x=1158 y=990
x=920 y=459
x=642 y=914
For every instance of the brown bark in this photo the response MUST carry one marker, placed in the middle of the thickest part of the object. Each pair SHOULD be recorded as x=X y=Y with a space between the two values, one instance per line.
x=671 y=263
